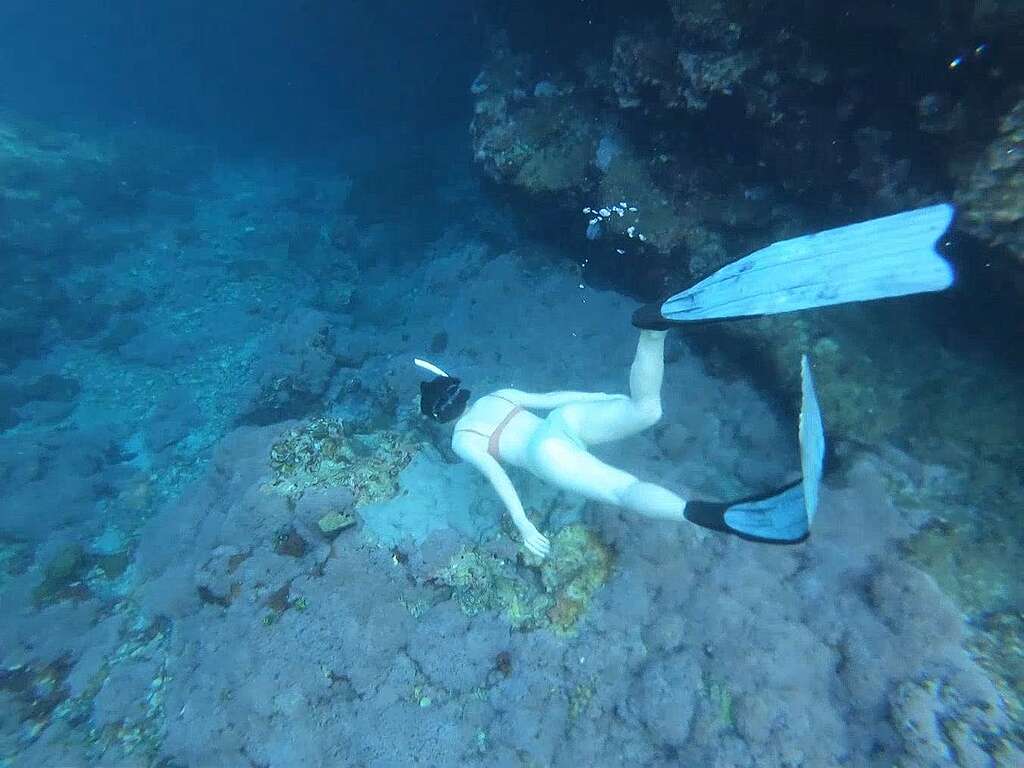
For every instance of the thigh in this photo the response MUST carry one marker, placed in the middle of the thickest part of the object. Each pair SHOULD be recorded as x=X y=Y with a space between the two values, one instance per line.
x=567 y=466
x=604 y=421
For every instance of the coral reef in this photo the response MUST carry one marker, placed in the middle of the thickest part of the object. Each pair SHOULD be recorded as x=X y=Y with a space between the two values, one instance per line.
x=942 y=724
x=578 y=565
x=687 y=650
x=55 y=184
x=992 y=196
x=260 y=619
x=294 y=370
x=684 y=70
x=733 y=117
x=534 y=136
x=323 y=453
x=74 y=573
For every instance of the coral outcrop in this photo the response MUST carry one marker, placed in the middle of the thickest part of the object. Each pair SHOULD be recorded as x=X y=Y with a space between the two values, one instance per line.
x=529 y=132
x=324 y=454
x=734 y=121
x=992 y=197
x=578 y=565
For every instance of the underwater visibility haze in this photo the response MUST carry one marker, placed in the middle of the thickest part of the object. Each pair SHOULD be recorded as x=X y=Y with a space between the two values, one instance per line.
x=511 y=384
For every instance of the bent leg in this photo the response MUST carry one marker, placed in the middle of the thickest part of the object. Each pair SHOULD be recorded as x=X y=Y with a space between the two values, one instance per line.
x=602 y=422
x=568 y=467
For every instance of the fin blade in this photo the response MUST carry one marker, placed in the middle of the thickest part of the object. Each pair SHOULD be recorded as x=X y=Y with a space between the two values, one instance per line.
x=786 y=516
x=812 y=440
x=889 y=256
x=781 y=518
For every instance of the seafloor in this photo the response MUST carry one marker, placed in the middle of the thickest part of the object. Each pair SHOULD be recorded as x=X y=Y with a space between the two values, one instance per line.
x=229 y=539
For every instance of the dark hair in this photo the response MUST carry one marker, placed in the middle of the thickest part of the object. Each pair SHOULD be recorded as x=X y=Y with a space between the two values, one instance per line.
x=442 y=399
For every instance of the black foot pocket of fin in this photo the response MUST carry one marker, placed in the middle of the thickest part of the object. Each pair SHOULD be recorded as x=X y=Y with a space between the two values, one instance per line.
x=707 y=514
x=649 y=318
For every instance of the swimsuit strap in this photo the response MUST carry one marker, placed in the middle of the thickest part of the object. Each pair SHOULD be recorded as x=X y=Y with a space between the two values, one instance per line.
x=492 y=444
x=494 y=438
x=474 y=431
x=510 y=402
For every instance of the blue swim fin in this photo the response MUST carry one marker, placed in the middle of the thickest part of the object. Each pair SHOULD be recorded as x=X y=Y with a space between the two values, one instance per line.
x=783 y=516
x=890 y=256
x=812 y=440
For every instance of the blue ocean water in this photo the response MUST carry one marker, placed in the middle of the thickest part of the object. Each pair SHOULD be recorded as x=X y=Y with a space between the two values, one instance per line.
x=240 y=526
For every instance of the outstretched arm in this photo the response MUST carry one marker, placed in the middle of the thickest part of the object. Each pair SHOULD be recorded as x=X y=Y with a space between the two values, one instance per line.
x=492 y=470
x=548 y=400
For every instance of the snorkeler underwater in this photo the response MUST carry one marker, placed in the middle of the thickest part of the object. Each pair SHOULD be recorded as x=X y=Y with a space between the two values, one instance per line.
x=511 y=384
x=890 y=256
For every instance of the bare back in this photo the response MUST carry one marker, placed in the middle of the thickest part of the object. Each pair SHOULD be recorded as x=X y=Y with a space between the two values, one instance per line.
x=499 y=425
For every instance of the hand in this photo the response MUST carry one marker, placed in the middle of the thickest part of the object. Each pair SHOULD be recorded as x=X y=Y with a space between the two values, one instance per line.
x=534 y=540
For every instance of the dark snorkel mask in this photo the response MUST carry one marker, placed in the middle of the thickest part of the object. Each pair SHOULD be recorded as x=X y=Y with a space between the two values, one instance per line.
x=442 y=398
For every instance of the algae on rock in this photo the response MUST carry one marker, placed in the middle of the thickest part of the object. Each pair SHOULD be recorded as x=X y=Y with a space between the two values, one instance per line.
x=324 y=453
x=568 y=578
x=74 y=574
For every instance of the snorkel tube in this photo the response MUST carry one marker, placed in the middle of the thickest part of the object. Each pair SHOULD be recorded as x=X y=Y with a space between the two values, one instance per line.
x=429 y=366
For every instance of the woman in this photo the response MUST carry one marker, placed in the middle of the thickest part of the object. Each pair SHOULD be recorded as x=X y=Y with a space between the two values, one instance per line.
x=500 y=428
